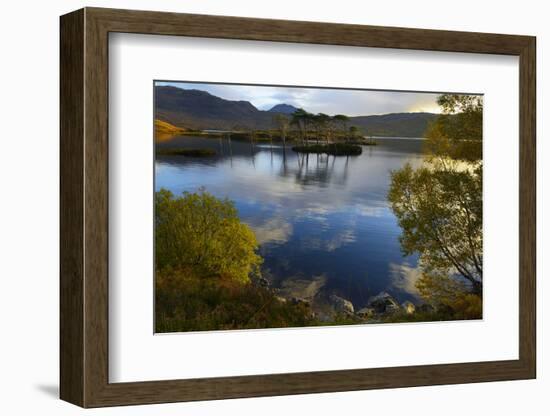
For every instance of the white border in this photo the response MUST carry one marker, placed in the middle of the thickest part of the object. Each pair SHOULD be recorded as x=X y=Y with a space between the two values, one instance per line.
x=135 y=354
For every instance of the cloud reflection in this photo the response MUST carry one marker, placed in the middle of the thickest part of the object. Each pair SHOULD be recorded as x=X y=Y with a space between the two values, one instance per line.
x=273 y=230
x=404 y=277
x=331 y=242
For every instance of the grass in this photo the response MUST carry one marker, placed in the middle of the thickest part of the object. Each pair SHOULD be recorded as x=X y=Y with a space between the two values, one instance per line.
x=336 y=149
x=164 y=129
x=186 y=301
x=202 y=152
x=432 y=316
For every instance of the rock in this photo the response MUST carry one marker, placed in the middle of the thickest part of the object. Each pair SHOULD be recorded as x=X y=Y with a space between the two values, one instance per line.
x=408 y=307
x=383 y=303
x=392 y=308
x=365 y=312
x=341 y=305
x=302 y=288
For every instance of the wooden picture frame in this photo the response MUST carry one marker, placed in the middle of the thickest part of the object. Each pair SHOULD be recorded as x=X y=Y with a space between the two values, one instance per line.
x=84 y=207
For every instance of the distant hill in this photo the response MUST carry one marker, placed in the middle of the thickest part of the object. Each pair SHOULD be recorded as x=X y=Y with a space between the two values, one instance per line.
x=283 y=108
x=395 y=124
x=195 y=109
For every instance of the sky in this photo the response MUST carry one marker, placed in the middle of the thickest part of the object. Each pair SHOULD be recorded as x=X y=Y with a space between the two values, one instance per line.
x=322 y=100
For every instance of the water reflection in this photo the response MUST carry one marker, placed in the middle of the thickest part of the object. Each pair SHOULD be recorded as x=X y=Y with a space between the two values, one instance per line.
x=312 y=214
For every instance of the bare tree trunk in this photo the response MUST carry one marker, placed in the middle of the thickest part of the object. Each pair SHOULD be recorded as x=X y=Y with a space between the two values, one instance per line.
x=230 y=149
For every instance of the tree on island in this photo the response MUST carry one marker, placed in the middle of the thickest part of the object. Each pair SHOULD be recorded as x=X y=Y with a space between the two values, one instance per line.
x=301 y=119
x=326 y=126
x=342 y=121
x=318 y=125
x=354 y=132
x=282 y=124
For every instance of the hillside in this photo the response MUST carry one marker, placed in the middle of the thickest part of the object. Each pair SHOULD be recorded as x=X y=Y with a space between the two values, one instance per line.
x=394 y=125
x=162 y=128
x=195 y=109
x=200 y=110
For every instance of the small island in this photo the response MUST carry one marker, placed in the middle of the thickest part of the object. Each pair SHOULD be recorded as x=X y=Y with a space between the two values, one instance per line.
x=177 y=151
x=306 y=132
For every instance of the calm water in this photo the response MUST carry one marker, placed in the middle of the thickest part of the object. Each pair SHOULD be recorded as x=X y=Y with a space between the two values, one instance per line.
x=312 y=215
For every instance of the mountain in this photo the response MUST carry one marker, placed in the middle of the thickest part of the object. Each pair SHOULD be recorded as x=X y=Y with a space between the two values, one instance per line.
x=197 y=109
x=395 y=124
x=283 y=108
x=200 y=110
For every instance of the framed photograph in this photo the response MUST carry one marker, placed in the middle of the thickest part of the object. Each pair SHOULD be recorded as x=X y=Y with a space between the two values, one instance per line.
x=256 y=207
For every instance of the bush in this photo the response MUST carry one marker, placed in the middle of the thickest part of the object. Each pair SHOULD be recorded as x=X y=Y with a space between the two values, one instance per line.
x=200 y=231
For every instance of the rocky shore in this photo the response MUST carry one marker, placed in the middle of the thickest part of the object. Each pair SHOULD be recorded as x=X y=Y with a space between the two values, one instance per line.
x=327 y=306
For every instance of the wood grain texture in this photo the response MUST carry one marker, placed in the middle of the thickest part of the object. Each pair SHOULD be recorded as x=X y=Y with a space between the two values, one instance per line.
x=84 y=205
x=96 y=219
x=71 y=208
x=226 y=27
x=527 y=207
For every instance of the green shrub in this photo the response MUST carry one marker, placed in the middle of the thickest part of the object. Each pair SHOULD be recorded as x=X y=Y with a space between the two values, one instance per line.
x=200 y=231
